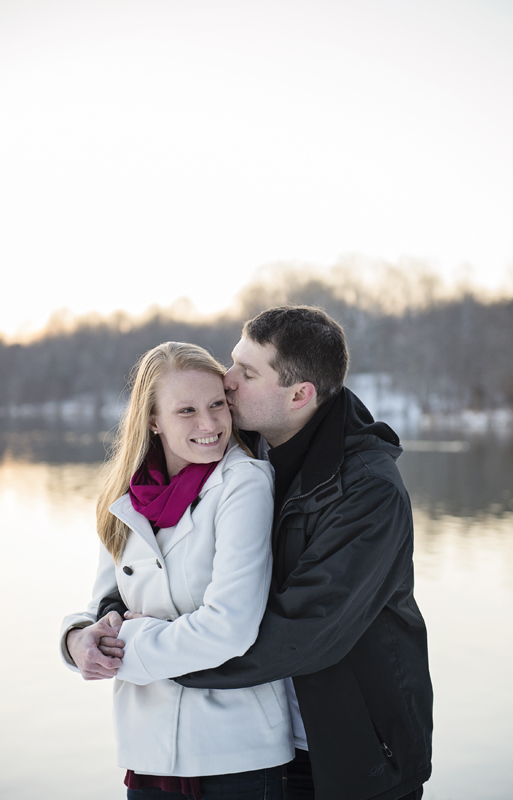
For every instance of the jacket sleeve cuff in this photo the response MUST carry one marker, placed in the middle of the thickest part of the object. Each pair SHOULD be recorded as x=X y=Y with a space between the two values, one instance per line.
x=132 y=667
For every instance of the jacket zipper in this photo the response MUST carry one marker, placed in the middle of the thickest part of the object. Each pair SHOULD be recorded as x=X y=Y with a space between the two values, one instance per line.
x=385 y=748
x=387 y=751
x=302 y=496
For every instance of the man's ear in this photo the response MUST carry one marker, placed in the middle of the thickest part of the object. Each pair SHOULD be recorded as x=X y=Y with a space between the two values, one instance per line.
x=303 y=394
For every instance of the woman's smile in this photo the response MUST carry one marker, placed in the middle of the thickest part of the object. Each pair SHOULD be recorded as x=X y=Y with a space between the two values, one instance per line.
x=209 y=440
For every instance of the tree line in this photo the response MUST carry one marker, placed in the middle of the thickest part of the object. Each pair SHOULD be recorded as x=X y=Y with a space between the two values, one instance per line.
x=448 y=352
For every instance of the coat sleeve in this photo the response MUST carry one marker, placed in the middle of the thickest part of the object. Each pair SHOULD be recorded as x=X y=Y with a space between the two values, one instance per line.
x=359 y=555
x=227 y=622
x=105 y=584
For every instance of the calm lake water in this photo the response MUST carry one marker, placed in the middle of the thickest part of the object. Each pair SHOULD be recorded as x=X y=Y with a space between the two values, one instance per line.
x=57 y=738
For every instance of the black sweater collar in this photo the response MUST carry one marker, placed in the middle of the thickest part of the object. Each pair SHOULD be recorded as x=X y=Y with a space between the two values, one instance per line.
x=287 y=459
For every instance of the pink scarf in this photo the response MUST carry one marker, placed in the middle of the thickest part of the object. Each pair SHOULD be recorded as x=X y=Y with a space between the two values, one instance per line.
x=162 y=501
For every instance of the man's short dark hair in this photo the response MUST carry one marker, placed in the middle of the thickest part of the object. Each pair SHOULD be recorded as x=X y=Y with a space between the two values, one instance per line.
x=310 y=346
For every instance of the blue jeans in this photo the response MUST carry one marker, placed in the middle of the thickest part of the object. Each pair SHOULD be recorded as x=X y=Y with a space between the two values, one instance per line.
x=259 y=784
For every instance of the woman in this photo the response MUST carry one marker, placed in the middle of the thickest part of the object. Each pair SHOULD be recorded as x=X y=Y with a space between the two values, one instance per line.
x=185 y=520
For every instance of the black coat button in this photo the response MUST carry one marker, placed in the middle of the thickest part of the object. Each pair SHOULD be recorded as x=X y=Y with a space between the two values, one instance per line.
x=128 y=570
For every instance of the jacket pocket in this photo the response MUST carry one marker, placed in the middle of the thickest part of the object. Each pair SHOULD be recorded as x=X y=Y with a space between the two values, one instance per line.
x=384 y=746
x=266 y=696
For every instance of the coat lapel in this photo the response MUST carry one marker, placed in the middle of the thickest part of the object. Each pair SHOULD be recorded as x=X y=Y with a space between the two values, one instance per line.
x=124 y=510
x=185 y=524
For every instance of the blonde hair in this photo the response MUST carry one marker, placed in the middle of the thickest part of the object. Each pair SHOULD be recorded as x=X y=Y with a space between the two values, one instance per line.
x=133 y=439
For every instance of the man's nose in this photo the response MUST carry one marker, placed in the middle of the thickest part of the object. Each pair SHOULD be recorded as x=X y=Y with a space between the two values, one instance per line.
x=230 y=384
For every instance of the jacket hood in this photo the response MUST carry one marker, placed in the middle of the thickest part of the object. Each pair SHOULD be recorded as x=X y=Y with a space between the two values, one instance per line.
x=346 y=428
x=362 y=432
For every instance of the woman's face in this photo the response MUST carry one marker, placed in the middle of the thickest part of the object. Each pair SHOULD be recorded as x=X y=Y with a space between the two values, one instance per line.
x=192 y=418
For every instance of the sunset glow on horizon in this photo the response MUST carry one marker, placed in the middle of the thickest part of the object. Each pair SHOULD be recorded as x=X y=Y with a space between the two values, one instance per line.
x=158 y=150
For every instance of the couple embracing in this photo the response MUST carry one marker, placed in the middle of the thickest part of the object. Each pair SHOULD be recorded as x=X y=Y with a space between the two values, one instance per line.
x=261 y=649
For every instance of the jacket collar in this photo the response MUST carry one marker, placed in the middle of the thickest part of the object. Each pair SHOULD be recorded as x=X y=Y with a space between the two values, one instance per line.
x=326 y=451
x=317 y=449
x=124 y=510
x=299 y=455
x=346 y=428
x=341 y=426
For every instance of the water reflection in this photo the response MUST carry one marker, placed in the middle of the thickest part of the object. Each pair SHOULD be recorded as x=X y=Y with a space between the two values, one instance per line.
x=460 y=477
x=462 y=497
x=473 y=480
x=53 y=443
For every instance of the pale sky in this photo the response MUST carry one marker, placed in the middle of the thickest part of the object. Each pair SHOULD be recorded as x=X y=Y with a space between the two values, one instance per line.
x=154 y=149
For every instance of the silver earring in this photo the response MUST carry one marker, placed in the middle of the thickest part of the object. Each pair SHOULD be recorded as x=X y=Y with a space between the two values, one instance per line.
x=155 y=431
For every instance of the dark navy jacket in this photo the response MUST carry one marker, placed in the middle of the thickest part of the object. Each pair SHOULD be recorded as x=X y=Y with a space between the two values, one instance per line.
x=341 y=618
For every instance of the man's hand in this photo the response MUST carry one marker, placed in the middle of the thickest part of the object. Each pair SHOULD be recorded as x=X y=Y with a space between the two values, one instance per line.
x=110 y=646
x=84 y=648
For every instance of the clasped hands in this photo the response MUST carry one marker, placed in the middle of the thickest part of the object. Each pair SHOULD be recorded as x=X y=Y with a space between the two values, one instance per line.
x=96 y=650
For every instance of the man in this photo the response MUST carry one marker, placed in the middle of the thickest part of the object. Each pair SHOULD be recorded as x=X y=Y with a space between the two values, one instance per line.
x=341 y=617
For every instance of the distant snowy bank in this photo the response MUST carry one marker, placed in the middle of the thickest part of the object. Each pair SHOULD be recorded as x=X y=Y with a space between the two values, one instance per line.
x=401 y=410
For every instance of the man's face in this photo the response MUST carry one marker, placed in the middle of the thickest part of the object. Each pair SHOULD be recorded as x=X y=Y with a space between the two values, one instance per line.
x=256 y=401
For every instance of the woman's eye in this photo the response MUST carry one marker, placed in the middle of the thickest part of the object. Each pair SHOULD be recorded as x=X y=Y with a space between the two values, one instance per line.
x=219 y=403
x=186 y=411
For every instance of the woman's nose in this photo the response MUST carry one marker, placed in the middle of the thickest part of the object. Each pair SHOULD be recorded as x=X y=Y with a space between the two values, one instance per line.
x=207 y=421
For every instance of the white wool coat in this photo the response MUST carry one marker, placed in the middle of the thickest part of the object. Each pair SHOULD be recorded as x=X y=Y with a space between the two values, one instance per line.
x=204 y=584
